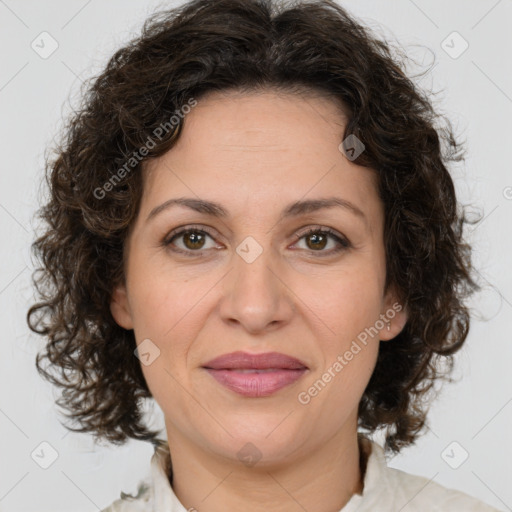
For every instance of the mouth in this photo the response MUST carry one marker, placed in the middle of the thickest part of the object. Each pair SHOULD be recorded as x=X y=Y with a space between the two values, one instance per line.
x=255 y=375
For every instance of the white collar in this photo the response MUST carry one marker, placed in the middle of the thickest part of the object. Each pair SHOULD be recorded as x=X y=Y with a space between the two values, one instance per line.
x=384 y=488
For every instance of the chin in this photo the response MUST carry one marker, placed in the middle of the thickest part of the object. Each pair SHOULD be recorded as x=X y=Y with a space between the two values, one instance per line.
x=266 y=440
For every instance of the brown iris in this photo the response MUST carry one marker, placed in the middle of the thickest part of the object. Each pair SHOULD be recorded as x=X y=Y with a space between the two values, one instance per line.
x=316 y=237
x=194 y=238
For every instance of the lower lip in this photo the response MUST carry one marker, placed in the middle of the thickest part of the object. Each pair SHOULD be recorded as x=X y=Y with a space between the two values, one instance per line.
x=256 y=384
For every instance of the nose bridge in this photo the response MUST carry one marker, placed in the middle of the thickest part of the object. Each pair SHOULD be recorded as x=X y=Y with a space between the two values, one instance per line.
x=255 y=295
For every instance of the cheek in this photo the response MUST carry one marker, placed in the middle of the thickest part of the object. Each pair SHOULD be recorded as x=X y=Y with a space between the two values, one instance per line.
x=345 y=303
x=333 y=391
x=161 y=297
x=170 y=310
x=347 y=343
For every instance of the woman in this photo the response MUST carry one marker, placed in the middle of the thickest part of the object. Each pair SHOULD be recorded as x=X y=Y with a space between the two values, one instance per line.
x=252 y=222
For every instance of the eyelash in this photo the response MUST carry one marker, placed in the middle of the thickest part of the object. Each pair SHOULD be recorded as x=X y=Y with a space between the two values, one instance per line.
x=343 y=242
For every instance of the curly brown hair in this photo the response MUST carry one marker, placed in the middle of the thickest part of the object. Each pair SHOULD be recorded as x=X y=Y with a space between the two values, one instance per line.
x=205 y=46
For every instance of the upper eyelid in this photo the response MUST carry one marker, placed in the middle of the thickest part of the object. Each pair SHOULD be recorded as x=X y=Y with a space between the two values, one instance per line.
x=187 y=228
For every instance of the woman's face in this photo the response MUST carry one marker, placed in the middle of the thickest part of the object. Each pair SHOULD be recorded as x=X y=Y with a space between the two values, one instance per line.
x=252 y=280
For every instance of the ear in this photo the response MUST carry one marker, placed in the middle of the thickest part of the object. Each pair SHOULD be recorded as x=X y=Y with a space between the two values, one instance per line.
x=120 y=307
x=393 y=315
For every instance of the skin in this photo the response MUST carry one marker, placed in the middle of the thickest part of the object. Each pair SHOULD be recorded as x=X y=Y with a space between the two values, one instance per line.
x=254 y=153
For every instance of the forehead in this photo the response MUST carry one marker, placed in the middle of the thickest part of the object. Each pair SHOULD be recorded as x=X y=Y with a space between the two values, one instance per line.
x=259 y=146
x=266 y=120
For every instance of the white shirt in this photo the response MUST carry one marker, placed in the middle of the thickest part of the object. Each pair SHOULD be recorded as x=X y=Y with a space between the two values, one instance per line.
x=385 y=490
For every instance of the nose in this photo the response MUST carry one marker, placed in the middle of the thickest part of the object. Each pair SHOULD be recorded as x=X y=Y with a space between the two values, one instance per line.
x=255 y=294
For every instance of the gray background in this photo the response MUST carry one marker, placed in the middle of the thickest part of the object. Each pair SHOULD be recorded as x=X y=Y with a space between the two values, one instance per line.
x=476 y=92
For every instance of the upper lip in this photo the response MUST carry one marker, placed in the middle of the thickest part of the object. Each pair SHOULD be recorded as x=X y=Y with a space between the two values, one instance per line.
x=246 y=361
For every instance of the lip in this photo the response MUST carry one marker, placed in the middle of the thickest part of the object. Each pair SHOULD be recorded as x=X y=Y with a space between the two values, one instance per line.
x=246 y=361
x=255 y=375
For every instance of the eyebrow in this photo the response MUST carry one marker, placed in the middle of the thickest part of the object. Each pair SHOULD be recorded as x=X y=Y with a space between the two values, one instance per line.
x=294 y=209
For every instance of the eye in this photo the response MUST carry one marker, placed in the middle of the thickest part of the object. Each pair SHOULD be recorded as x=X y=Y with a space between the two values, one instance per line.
x=317 y=239
x=190 y=240
x=193 y=239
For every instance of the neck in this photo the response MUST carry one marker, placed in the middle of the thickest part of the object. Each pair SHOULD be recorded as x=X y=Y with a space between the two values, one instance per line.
x=323 y=480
